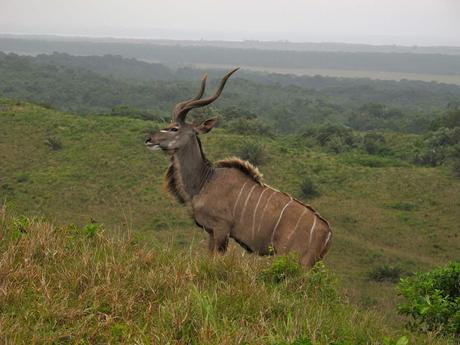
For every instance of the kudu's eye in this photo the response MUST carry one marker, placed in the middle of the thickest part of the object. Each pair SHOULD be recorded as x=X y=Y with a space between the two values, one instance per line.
x=174 y=129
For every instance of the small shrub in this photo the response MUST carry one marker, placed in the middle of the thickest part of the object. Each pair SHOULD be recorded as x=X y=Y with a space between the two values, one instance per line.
x=325 y=283
x=433 y=300
x=299 y=341
x=20 y=225
x=54 y=144
x=375 y=144
x=119 y=331
x=253 y=152
x=23 y=177
x=92 y=229
x=46 y=105
x=129 y=111
x=249 y=126
x=404 y=206
x=401 y=341
x=386 y=273
x=456 y=159
x=430 y=157
x=438 y=146
x=308 y=189
x=282 y=268
x=335 y=138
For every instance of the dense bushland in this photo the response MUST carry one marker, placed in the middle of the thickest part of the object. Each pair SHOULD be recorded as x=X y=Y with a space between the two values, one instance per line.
x=127 y=87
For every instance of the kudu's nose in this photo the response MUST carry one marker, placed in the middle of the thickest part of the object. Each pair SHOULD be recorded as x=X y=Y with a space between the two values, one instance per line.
x=148 y=140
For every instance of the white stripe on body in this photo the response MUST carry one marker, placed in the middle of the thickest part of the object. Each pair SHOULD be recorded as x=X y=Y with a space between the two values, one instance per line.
x=327 y=240
x=255 y=211
x=312 y=230
x=263 y=210
x=279 y=218
x=246 y=202
x=297 y=224
x=238 y=198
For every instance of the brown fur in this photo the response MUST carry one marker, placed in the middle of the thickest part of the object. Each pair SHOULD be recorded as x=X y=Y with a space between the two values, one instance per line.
x=252 y=171
x=260 y=218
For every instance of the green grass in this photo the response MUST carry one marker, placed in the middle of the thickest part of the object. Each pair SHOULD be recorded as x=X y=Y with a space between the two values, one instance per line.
x=383 y=211
x=61 y=286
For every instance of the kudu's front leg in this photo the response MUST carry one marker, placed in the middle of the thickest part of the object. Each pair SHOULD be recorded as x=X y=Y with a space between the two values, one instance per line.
x=218 y=241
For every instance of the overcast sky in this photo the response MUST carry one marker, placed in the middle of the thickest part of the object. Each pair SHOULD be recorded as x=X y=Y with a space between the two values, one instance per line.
x=407 y=22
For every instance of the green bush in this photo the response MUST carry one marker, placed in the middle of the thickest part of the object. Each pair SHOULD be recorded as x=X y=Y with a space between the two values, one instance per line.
x=253 y=152
x=308 y=189
x=54 y=144
x=249 y=126
x=386 y=273
x=283 y=267
x=335 y=138
x=456 y=159
x=375 y=144
x=92 y=229
x=433 y=300
x=129 y=111
x=429 y=157
x=438 y=146
x=401 y=341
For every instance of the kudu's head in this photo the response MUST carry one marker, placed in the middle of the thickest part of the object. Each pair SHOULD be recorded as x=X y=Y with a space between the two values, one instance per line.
x=180 y=133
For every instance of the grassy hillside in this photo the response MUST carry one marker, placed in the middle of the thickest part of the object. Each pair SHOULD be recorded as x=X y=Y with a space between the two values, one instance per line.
x=72 y=285
x=384 y=211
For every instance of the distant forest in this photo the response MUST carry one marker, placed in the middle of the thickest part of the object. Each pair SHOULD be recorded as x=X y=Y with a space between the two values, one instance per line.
x=115 y=85
x=407 y=62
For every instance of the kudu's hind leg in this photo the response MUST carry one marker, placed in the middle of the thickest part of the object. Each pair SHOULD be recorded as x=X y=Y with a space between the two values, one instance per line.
x=319 y=245
x=308 y=260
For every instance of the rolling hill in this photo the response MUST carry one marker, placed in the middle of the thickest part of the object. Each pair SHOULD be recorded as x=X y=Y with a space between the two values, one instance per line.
x=385 y=212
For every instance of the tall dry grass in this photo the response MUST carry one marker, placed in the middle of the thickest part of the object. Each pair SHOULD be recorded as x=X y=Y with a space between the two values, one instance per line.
x=71 y=285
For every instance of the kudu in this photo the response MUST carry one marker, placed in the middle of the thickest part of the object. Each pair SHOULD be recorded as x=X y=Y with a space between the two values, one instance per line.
x=229 y=199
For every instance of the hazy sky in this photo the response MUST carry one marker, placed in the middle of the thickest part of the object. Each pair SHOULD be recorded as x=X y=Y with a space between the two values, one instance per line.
x=409 y=22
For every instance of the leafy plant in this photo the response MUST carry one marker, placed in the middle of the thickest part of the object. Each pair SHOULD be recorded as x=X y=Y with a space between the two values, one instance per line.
x=401 y=341
x=249 y=126
x=92 y=229
x=20 y=225
x=386 y=273
x=375 y=144
x=253 y=152
x=54 y=144
x=308 y=188
x=282 y=268
x=433 y=299
x=335 y=138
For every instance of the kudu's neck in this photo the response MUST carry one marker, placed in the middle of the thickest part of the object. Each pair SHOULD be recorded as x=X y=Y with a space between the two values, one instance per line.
x=192 y=169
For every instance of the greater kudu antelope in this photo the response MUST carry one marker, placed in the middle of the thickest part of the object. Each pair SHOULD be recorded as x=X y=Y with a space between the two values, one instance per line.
x=229 y=199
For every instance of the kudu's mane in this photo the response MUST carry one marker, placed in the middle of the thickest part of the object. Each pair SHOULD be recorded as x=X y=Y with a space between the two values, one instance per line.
x=170 y=184
x=244 y=166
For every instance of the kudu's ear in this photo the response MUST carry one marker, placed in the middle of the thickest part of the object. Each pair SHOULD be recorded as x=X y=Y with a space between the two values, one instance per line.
x=206 y=125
